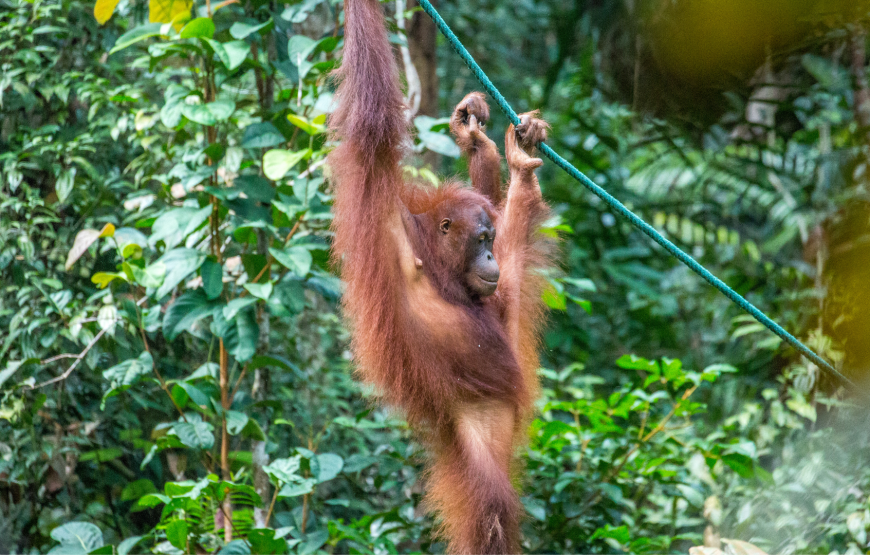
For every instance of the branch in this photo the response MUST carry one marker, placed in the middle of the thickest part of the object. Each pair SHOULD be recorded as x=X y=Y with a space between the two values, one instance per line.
x=414 y=87
x=79 y=357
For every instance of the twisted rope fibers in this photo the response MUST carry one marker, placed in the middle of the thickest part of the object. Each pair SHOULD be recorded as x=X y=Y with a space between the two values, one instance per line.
x=623 y=211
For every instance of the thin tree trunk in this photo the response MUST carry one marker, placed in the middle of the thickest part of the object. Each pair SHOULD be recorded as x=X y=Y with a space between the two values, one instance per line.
x=421 y=43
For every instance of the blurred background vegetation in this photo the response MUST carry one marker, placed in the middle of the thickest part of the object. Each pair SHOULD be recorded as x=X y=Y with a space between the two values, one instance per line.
x=174 y=372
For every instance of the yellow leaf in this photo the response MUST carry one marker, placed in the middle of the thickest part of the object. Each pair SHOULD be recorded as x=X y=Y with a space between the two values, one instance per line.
x=102 y=279
x=107 y=231
x=176 y=12
x=104 y=9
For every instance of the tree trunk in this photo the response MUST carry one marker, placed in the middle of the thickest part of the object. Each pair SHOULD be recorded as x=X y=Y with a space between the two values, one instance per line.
x=421 y=42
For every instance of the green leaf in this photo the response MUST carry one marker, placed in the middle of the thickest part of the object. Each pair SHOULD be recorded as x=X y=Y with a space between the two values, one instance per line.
x=554 y=299
x=439 y=142
x=632 y=362
x=128 y=372
x=620 y=533
x=313 y=542
x=241 y=30
x=126 y=546
x=179 y=263
x=299 y=488
x=235 y=305
x=256 y=187
x=231 y=54
x=64 y=185
x=262 y=135
x=136 y=489
x=198 y=113
x=199 y=27
x=284 y=470
x=278 y=162
x=299 y=47
x=305 y=189
x=196 y=219
x=81 y=536
x=237 y=51
x=212 y=278
x=236 y=421
x=185 y=311
x=102 y=455
x=307 y=126
x=259 y=290
x=741 y=464
x=206 y=370
x=196 y=435
x=221 y=109
x=102 y=279
x=535 y=507
x=297 y=259
x=329 y=466
x=248 y=333
x=176 y=533
x=263 y=542
x=150 y=276
x=252 y=430
x=135 y=35
x=235 y=547
x=196 y=395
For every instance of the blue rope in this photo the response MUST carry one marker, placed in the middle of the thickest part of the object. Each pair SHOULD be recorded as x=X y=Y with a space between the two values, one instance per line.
x=620 y=208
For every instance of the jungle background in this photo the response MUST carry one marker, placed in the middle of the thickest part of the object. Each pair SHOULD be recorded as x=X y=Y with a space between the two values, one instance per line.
x=174 y=369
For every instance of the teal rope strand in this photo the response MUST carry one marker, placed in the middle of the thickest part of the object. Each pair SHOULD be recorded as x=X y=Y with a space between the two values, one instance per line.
x=621 y=209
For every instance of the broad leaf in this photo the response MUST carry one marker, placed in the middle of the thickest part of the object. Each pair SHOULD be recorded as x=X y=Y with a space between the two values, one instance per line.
x=240 y=30
x=212 y=278
x=297 y=259
x=199 y=27
x=196 y=435
x=329 y=465
x=278 y=162
x=179 y=263
x=135 y=35
x=77 y=537
x=259 y=290
x=104 y=9
x=128 y=372
x=185 y=311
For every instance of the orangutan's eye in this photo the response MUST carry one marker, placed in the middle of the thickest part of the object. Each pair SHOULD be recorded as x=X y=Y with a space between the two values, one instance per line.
x=482 y=237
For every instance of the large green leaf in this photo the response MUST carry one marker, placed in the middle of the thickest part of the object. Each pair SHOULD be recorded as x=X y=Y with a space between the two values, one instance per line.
x=329 y=465
x=262 y=135
x=297 y=259
x=199 y=27
x=212 y=278
x=196 y=435
x=176 y=533
x=185 y=311
x=277 y=162
x=231 y=54
x=179 y=263
x=76 y=537
x=241 y=30
x=128 y=372
x=135 y=35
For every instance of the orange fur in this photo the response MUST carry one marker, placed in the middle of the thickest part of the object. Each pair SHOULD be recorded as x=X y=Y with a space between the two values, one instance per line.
x=461 y=368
